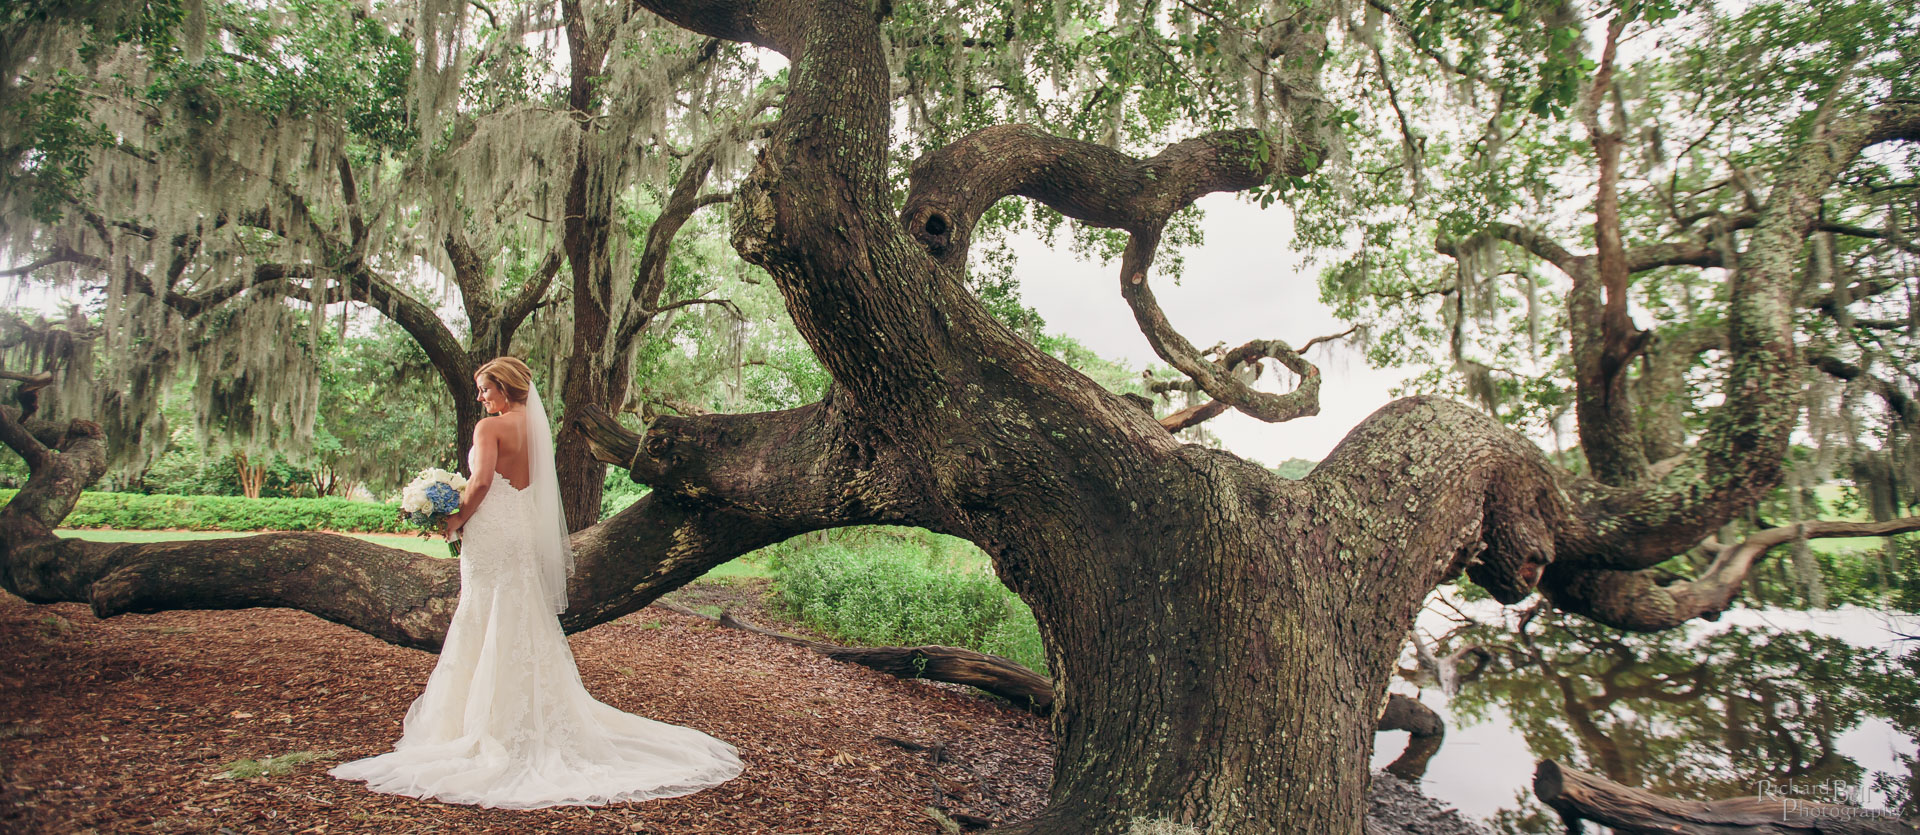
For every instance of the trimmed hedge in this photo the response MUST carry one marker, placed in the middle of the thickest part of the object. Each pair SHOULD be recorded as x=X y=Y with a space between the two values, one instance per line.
x=138 y=511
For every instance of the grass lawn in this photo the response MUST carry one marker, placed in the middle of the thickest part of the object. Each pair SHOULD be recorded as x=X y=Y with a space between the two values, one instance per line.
x=432 y=547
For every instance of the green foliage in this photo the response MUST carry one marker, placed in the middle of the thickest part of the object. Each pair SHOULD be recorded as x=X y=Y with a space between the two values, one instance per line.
x=1295 y=468
x=384 y=413
x=293 y=62
x=619 y=491
x=879 y=587
x=47 y=134
x=57 y=142
x=13 y=469
x=134 y=511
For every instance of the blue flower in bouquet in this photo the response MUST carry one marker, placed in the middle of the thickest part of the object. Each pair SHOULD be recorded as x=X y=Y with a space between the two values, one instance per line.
x=433 y=496
x=445 y=499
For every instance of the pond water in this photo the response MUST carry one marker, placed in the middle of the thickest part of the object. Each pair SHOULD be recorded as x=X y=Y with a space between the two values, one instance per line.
x=1814 y=702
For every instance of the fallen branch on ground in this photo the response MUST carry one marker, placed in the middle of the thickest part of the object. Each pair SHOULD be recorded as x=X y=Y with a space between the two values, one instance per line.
x=1579 y=796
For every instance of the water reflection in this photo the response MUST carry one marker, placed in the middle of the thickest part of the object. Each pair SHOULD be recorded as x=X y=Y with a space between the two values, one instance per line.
x=1701 y=714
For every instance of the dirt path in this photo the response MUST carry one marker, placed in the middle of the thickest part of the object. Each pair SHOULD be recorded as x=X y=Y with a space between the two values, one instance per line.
x=125 y=725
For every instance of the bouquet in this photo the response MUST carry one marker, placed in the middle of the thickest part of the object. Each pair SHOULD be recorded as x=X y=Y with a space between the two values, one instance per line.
x=432 y=497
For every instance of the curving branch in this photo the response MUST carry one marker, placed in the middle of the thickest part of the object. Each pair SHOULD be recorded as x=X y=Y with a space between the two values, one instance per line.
x=1897 y=401
x=651 y=275
x=1303 y=401
x=774 y=25
x=1637 y=600
x=951 y=187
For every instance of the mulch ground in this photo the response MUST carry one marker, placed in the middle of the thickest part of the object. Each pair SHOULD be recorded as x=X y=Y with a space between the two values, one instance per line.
x=126 y=725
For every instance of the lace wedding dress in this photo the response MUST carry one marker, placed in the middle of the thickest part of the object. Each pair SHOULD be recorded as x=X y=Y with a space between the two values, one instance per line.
x=505 y=721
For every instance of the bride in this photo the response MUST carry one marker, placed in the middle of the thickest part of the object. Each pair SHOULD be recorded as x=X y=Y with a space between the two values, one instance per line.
x=504 y=721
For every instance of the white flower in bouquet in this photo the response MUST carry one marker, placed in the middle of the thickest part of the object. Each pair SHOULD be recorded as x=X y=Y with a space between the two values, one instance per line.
x=431 y=497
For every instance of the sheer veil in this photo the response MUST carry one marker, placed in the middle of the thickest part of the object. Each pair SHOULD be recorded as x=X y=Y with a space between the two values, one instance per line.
x=551 y=549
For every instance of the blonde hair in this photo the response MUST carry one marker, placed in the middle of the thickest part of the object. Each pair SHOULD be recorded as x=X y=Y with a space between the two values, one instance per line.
x=510 y=374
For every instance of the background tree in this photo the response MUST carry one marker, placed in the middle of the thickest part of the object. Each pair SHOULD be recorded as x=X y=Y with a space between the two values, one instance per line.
x=1219 y=637
x=1676 y=148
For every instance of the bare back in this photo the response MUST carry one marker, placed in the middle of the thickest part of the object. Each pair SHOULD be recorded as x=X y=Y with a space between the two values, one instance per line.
x=509 y=435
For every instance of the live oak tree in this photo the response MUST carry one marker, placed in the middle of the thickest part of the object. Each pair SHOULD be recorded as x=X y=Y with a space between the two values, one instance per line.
x=1220 y=638
x=225 y=174
x=1625 y=294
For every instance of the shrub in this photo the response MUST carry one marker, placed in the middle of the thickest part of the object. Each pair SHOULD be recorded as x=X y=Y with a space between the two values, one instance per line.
x=894 y=591
x=136 y=511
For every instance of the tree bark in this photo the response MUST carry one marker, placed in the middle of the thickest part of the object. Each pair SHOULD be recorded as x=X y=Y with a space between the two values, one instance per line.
x=1579 y=796
x=1425 y=734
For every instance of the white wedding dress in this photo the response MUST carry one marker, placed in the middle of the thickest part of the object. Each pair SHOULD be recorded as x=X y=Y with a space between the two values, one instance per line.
x=505 y=721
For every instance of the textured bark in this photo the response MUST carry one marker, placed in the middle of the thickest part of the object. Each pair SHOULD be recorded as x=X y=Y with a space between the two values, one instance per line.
x=589 y=220
x=1604 y=337
x=1579 y=796
x=1425 y=734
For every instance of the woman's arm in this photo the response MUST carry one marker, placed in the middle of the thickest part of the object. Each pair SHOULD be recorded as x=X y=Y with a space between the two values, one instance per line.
x=486 y=445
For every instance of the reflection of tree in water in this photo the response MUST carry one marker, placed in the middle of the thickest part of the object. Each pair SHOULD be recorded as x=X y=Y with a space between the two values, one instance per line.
x=1687 y=715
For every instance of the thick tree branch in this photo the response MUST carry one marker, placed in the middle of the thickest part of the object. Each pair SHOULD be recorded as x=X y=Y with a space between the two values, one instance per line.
x=525 y=302
x=808 y=468
x=350 y=196
x=1636 y=600
x=776 y=26
x=1897 y=401
x=953 y=186
x=709 y=506
x=16 y=436
x=651 y=275
x=1739 y=456
x=470 y=275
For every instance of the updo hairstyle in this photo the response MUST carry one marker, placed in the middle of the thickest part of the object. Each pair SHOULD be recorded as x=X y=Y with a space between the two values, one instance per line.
x=511 y=375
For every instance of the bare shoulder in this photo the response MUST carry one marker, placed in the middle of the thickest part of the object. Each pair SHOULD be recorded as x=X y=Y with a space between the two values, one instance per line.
x=491 y=427
x=497 y=426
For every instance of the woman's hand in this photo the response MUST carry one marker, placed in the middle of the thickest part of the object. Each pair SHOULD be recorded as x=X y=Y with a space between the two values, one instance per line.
x=454 y=523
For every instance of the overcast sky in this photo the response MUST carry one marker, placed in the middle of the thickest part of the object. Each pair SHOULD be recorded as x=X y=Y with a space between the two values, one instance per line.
x=1243 y=284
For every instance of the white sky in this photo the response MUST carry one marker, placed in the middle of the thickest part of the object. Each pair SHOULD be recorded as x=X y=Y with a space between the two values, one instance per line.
x=1242 y=284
